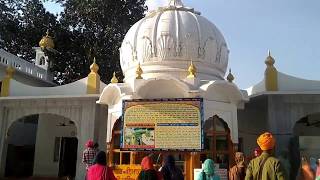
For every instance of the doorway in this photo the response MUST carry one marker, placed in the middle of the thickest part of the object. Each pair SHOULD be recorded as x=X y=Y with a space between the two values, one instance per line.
x=68 y=156
x=21 y=147
x=217 y=142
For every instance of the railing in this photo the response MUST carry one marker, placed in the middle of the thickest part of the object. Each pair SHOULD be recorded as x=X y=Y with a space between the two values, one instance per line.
x=21 y=65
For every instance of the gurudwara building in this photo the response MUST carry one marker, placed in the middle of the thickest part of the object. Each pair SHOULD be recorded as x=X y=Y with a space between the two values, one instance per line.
x=172 y=53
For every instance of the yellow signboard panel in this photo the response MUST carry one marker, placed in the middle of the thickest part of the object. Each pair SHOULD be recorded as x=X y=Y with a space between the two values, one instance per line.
x=127 y=172
x=163 y=124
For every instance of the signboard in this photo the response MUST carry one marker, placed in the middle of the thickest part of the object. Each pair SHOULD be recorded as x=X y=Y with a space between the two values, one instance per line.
x=127 y=172
x=162 y=124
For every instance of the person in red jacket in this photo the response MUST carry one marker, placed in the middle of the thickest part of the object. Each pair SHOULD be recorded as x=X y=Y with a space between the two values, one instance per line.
x=100 y=170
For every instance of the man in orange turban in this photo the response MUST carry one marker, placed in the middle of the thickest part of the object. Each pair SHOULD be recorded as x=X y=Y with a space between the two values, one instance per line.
x=266 y=166
x=266 y=141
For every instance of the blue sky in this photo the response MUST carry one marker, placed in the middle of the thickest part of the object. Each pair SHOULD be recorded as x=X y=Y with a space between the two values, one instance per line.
x=289 y=28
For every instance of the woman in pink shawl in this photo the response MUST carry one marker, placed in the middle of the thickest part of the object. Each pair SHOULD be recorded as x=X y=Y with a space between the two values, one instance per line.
x=99 y=171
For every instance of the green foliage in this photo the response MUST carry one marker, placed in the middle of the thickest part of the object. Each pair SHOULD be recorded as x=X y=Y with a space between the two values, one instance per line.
x=85 y=28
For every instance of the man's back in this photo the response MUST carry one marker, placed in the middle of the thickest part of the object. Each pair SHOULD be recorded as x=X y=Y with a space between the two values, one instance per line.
x=88 y=156
x=271 y=170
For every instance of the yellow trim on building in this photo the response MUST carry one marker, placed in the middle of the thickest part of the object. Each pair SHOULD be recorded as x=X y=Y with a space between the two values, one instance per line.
x=271 y=74
x=139 y=72
x=5 y=86
x=192 y=71
x=93 y=82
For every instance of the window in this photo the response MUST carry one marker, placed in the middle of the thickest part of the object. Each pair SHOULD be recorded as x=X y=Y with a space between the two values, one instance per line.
x=42 y=61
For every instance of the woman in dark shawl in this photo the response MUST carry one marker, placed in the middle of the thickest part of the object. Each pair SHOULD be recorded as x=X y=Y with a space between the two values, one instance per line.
x=170 y=171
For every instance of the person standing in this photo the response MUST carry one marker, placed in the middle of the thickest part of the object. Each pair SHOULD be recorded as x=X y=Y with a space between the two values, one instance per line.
x=318 y=170
x=89 y=154
x=238 y=171
x=96 y=147
x=257 y=152
x=170 y=171
x=306 y=172
x=148 y=172
x=100 y=170
x=266 y=166
x=208 y=171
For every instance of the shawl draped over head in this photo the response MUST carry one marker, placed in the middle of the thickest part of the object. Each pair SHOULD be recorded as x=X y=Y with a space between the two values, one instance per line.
x=147 y=163
x=208 y=167
x=266 y=141
x=170 y=171
x=100 y=172
x=89 y=144
x=169 y=161
x=101 y=158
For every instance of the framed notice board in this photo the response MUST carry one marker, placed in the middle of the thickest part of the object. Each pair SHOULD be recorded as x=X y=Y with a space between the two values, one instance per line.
x=162 y=124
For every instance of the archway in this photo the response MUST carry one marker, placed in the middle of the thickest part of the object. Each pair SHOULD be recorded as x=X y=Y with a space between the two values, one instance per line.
x=217 y=142
x=21 y=140
x=305 y=142
x=43 y=145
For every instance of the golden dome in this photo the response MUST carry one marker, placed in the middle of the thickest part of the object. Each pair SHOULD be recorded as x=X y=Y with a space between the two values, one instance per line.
x=94 y=66
x=46 y=42
x=270 y=60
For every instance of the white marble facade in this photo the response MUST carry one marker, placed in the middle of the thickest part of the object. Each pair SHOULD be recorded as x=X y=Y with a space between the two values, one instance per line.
x=164 y=43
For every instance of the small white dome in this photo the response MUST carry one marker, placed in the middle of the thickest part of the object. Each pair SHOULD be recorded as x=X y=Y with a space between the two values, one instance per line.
x=168 y=39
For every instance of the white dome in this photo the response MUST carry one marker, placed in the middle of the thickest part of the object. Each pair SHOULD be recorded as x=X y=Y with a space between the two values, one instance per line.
x=168 y=39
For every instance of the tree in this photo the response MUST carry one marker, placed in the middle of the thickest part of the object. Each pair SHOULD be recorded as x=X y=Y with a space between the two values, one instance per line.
x=99 y=26
x=22 y=24
x=86 y=29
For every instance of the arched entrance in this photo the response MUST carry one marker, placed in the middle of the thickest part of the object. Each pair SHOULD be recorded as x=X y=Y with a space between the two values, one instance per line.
x=306 y=140
x=43 y=145
x=21 y=139
x=217 y=143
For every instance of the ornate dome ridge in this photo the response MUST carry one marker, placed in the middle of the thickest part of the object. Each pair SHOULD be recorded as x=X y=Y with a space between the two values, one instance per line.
x=168 y=38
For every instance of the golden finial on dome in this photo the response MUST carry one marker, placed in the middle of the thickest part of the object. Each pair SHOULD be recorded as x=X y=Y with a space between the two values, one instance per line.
x=114 y=78
x=270 y=60
x=230 y=77
x=94 y=66
x=139 y=72
x=46 y=41
x=192 y=71
x=270 y=74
